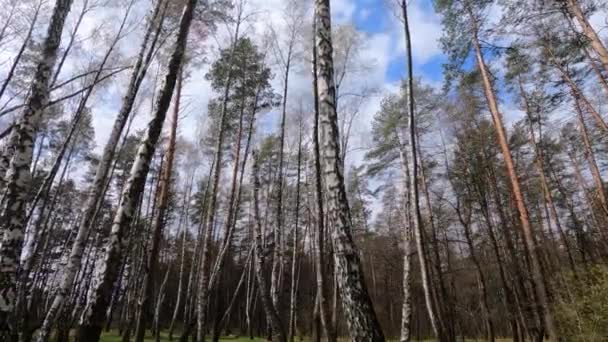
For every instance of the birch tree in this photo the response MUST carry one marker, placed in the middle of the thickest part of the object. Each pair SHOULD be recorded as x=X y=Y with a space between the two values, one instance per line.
x=18 y=177
x=360 y=313
x=96 y=190
x=105 y=274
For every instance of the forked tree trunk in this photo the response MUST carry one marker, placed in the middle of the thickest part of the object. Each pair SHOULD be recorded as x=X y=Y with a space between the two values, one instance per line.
x=106 y=272
x=17 y=181
x=361 y=317
x=94 y=195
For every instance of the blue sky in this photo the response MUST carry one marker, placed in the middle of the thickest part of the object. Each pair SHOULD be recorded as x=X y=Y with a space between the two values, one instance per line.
x=374 y=17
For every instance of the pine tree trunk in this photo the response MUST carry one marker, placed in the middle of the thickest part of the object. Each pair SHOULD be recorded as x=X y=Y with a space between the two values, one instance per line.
x=94 y=195
x=580 y=96
x=531 y=245
x=575 y=11
x=190 y=304
x=595 y=171
x=18 y=177
x=596 y=70
x=539 y=162
x=159 y=220
x=203 y=284
x=361 y=317
x=509 y=298
x=236 y=191
x=105 y=274
x=582 y=184
x=530 y=315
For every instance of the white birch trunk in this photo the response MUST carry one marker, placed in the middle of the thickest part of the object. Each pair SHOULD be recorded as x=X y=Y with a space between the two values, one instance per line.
x=96 y=190
x=361 y=317
x=18 y=178
x=106 y=271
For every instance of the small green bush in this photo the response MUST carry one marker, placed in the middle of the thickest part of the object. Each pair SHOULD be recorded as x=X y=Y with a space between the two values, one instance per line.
x=581 y=306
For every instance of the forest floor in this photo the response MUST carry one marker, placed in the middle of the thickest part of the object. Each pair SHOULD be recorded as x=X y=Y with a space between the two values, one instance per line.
x=113 y=336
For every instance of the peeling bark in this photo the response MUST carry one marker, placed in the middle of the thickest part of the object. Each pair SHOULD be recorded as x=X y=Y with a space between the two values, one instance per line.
x=17 y=180
x=94 y=196
x=159 y=221
x=361 y=317
x=106 y=271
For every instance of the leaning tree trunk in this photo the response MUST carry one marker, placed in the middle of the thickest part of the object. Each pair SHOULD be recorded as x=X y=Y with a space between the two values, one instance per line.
x=531 y=245
x=18 y=177
x=44 y=189
x=539 y=163
x=321 y=302
x=595 y=171
x=414 y=208
x=24 y=45
x=96 y=190
x=159 y=221
x=361 y=317
x=105 y=274
x=595 y=41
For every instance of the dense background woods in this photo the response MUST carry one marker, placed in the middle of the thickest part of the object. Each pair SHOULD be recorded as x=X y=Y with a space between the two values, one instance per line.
x=196 y=169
